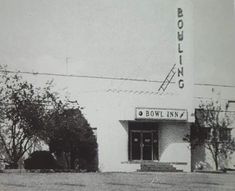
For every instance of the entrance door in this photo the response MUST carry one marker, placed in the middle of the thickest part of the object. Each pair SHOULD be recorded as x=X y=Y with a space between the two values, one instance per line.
x=143 y=145
x=136 y=145
x=147 y=146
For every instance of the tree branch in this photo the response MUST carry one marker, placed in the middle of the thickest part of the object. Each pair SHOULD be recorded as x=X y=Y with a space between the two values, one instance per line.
x=5 y=146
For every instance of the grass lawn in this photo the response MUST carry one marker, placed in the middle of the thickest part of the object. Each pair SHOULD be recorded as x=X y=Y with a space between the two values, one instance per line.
x=116 y=181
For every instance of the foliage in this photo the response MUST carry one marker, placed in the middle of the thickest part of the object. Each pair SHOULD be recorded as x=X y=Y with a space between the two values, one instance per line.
x=22 y=116
x=211 y=130
x=29 y=115
x=41 y=160
x=73 y=141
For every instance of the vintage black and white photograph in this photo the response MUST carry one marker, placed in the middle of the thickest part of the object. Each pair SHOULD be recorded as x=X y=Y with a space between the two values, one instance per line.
x=121 y=95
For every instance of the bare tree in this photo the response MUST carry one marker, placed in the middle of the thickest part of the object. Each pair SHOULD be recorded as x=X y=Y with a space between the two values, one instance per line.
x=212 y=130
x=22 y=111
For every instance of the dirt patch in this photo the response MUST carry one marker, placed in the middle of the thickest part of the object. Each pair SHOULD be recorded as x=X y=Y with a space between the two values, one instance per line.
x=70 y=184
x=15 y=185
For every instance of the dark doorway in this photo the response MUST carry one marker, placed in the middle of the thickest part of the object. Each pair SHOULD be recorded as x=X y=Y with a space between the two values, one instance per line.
x=147 y=145
x=143 y=141
x=136 y=145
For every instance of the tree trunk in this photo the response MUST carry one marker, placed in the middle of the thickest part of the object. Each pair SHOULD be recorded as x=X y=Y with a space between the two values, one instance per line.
x=216 y=148
x=72 y=160
x=216 y=164
x=67 y=159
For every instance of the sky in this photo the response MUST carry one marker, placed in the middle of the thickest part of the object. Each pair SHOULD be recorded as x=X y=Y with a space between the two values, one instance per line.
x=117 y=38
x=112 y=38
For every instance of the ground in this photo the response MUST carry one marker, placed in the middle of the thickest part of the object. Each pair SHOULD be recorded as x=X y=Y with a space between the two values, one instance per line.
x=116 y=181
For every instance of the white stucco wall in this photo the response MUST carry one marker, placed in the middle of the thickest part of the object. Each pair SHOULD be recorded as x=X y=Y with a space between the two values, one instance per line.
x=172 y=148
x=231 y=162
x=113 y=146
x=111 y=115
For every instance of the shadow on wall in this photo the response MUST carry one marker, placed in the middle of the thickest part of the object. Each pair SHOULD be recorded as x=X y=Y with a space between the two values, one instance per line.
x=172 y=148
x=124 y=125
x=202 y=160
x=198 y=159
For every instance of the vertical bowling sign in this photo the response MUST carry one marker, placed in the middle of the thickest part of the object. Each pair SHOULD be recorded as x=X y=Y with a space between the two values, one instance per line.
x=184 y=52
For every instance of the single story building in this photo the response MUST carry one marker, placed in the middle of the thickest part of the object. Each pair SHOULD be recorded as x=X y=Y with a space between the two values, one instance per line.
x=133 y=130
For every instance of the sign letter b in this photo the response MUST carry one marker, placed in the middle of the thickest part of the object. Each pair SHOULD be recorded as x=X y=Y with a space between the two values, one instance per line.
x=180 y=12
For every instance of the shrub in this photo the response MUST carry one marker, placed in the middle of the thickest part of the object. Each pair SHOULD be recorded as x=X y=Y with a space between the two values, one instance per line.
x=73 y=141
x=41 y=160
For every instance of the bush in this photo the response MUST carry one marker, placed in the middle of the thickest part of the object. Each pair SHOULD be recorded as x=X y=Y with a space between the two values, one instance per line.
x=73 y=142
x=41 y=160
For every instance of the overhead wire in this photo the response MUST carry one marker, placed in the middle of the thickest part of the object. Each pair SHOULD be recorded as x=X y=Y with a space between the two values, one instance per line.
x=82 y=76
x=110 y=78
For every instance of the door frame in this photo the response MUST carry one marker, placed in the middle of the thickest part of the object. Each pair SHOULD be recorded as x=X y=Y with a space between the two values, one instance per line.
x=141 y=131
